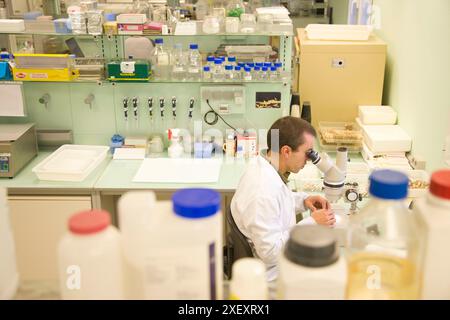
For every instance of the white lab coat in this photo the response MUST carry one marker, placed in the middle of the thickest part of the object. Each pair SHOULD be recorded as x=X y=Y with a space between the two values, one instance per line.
x=264 y=209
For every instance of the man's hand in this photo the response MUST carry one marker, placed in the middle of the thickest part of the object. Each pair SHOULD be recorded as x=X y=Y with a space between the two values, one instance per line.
x=314 y=203
x=324 y=217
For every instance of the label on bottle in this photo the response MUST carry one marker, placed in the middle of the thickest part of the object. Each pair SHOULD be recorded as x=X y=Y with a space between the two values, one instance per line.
x=163 y=60
x=168 y=274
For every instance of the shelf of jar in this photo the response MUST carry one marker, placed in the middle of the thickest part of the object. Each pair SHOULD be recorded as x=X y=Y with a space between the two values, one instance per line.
x=100 y=82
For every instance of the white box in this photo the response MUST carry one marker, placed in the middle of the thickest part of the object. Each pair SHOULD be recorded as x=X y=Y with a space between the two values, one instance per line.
x=12 y=25
x=371 y=115
x=131 y=18
x=71 y=162
x=386 y=138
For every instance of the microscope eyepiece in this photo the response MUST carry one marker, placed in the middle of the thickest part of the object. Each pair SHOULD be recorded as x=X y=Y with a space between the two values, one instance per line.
x=313 y=156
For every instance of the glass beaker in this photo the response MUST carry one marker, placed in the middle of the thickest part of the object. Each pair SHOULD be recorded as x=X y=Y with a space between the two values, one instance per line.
x=248 y=23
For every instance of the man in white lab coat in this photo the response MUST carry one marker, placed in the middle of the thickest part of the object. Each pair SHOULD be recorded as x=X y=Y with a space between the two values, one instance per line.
x=263 y=207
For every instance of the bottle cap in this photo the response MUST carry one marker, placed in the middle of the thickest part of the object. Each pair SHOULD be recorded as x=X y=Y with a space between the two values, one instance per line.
x=210 y=59
x=218 y=61
x=206 y=68
x=237 y=68
x=264 y=68
x=193 y=46
x=440 y=184
x=196 y=202
x=228 y=67
x=273 y=68
x=88 y=222
x=159 y=41
x=388 y=184
x=312 y=246
x=231 y=59
x=247 y=69
x=257 y=68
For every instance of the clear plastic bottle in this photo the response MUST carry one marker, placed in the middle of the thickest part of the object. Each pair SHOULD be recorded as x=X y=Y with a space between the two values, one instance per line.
x=218 y=72
x=78 y=22
x=256 y=74
x=238 y=73
x=264 y=75
x=384 y=247
x=229 y=73
x=95 y=22
x=210 y=61
x=178 y=63
x=247 y=76
x=194 y=63
x=160 y=67
x=207 y=76
x=273 y=75
x=433 y=214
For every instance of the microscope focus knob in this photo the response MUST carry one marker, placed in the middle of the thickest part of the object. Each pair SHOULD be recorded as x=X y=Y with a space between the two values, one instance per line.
x=351 y=195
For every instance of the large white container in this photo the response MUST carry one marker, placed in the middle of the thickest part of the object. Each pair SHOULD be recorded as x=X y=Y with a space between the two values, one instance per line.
x=311 y=266
x=172 y=250
x=386 y=138
x=249 y=280
x=9 y=278
x=372 y=115
x=89 y=258
x=433 y=213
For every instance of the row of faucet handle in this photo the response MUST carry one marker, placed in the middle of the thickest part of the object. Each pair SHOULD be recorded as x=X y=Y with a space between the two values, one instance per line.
x=162 y=102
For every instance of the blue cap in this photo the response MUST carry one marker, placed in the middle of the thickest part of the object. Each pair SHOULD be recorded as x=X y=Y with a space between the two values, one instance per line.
x=267 y=64
x=265 y=68
x=222 y=58
x=228 y=67
x=117 y=138
x=257 y=68
x=251 y=64
x=278 y=64
x=388 y=184
x=193 y=46
x=159 y=41
x=196 y=203
x=210 y=59
x=273 y=68
x=237 y=68
x=241 y=64
x=232 y=59
x=247 y=69
x=218 y=61
x=258 y=64
x=206 y=68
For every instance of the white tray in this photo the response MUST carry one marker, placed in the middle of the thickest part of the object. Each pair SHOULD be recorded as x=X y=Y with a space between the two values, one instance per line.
x=71 y=162
x=338 y=32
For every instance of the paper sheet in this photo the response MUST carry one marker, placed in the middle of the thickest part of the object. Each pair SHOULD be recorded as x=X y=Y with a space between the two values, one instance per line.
x=164 y=170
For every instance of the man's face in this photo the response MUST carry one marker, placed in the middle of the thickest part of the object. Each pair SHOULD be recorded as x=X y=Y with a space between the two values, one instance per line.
x=297 y=159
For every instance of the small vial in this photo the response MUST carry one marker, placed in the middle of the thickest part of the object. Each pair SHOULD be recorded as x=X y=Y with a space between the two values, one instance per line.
x=267 y=64
x=247 y=74
x=273 y=75
x=232 y=61
x=242 y=65
x=229 y=74
x=264 y=75
x=207 y=73
x=259 y=64
x=218 y=70
x=256 y=73
x=251 y=65
x=238 y=73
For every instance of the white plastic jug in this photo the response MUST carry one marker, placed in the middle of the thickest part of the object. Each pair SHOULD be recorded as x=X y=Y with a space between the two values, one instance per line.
x=9 y=278
x=172 y=250
x=90 y=261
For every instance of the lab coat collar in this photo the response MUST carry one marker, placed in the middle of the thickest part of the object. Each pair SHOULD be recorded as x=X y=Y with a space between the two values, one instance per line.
x=284 y=177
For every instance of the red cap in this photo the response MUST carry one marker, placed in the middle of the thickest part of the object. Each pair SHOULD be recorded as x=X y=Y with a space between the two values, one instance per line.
x=440 y=184
x=90 y=221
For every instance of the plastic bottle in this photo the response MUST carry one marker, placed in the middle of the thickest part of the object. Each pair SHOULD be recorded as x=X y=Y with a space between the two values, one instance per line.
x=172 y=250
x=249 y=280
x=256 y=74
x=161 y=65
x=247 y=74
x=218 y=72
x=175 y=149
x=311 y=266
x=9 y=277
x=273 y=75
x=194 y=63
x=90 y=258
x=384 y=248
x=238 y=73
x=229 y=73
x=178 y=63
x=264 y=75
x=210 y=61
x=207 y=73
x=433 y=213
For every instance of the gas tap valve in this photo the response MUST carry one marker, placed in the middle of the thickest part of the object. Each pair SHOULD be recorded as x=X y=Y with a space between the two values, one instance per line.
x=161 y=106
x=174 y=107
x=150 y=106
x=135 y=107
x=191 y=107
x=125 y=108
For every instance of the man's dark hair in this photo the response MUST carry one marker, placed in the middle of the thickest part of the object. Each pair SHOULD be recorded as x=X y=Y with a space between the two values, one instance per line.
x=290 y=131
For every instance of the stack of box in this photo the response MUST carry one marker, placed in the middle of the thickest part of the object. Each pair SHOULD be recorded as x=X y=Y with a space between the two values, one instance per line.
x=131 y=23
x=384 y=142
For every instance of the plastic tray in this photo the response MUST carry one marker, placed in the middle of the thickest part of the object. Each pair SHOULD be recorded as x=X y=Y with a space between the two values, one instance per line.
x=340 y=132
x=71 y=162
x=332 y=147
x=338 y=32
